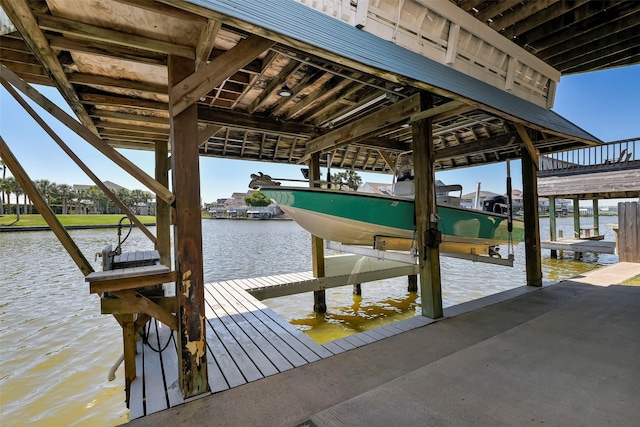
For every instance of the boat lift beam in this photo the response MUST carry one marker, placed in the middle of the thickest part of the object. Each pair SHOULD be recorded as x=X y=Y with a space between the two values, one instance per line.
x=409 y=257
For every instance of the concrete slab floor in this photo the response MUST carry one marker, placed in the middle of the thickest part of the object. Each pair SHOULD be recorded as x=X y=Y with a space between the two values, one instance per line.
x=562 y=355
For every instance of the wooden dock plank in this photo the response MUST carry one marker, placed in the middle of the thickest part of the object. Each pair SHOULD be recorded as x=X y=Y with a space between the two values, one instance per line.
x=154 y=387
x=304 y=345
x=332 y=347
x=136 y=395
x=226 y=373
x=241 y=359
x=278 y=341
x=249 y=347
x=234 y=311
x=344 y=344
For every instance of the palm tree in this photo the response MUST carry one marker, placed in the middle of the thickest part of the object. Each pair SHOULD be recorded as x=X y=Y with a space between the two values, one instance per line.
x=45 y=188
x=139 y=197
x=64 y=192
x=3 y=166
x=12 y=186
x=4 y=188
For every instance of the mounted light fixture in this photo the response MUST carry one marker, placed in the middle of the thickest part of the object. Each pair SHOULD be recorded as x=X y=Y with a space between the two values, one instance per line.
x=285 y=91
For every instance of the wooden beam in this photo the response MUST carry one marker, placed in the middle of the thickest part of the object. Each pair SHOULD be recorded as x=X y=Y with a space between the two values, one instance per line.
x=440 y=109
x=395 y=113
x=477 y=147
x=80 y=30
x=426 y=212
x=383 y=143
x=123 y=101
x=531 y=220
x=208 y=132
x=119 y=306
x=118 y=284
x=135 y=118
x=163 y=209
x=107 y=50
x=101 y=81
x=145 y=305
x=129 y=348
x=275 y=84
x=388 y=160
x=107 y=192
x=192 y=346
x=244 y=121
x=524 y=136
x=52 y=220
x=21 y=15
x=88 y=136
x=188 y=91
x=206 y=41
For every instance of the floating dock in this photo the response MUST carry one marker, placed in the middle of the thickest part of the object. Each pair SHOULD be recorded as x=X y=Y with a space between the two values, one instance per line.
x=580 y=245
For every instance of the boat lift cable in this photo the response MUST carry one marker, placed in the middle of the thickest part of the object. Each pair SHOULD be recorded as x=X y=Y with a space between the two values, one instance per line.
x=118 y=249
x=509 y=211
x=145 y=337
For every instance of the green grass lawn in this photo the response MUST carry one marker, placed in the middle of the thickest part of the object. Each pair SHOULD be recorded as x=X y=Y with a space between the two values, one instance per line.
x=634 y=281
x=37 y=220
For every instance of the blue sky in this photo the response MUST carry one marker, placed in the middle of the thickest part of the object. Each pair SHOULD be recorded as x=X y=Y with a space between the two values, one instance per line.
x=604 y=103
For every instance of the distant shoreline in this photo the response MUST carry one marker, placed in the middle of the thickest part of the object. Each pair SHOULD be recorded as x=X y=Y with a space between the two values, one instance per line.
x=21 y=228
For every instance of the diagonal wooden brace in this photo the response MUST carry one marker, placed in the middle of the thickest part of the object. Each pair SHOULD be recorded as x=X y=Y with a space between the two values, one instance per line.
x=148 y=307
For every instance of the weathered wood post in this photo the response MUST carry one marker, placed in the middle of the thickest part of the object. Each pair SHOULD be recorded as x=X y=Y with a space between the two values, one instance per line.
x=629 y=232
x=317 y=244
x=424 y=157
x=357 y=289
x=412 y=283
x=163 y=210
x=531 y=219
x=192 y=349
x=576 y=218
x=596 y=218
x=552 y=224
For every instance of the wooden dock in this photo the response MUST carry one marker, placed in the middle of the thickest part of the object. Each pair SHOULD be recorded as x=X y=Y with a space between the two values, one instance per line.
x=246 y=341
x=580 y=245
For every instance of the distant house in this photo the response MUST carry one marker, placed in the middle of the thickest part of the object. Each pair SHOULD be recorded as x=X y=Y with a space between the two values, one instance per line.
x=468 y=200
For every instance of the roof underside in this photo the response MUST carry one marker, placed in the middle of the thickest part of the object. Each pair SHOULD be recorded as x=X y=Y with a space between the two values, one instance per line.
x=109 y=60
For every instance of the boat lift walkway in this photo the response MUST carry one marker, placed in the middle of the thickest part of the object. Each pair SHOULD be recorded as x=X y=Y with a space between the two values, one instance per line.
x=247 y=341
x=563 y=355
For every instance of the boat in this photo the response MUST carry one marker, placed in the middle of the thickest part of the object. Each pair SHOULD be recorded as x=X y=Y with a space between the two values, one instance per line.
x=367 y=219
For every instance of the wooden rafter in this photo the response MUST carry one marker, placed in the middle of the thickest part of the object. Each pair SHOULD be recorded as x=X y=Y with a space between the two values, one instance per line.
x=249 y=122
x=198 y=84
x=108 y=50
x=206 y=41
x=84 y=31
x=22 y=17
x=395 y=113
x=275 y=84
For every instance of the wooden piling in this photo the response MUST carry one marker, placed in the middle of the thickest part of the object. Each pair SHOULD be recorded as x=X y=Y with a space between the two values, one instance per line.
x=629 y=232
x=163 y=210
x=192 y=354
x=317 y=244
x=357 y=289
x=576 y=218
x=426 y=213
x=412 y=283
x=596 y=218
x=552 y=223
x=531 y=224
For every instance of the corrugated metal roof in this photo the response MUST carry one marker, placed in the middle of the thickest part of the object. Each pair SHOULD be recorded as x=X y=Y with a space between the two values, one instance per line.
x=299 y=22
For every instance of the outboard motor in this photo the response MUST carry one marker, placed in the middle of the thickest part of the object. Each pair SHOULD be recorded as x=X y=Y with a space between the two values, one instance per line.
x=495 y=204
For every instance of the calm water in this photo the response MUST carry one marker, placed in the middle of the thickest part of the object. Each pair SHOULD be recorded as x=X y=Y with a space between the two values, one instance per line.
x=56 y=348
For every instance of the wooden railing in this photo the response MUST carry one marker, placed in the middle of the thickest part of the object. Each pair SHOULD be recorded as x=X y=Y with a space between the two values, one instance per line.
x=610 y=156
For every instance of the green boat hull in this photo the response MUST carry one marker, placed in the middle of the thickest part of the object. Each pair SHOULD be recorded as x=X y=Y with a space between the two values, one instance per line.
x=356 y=218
